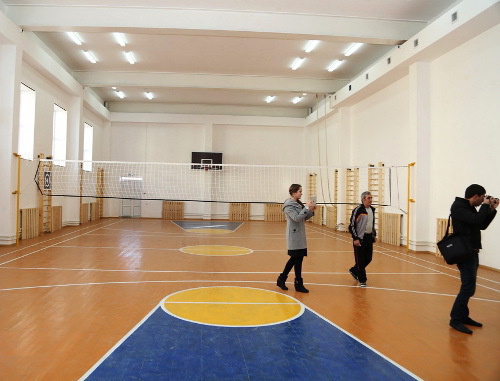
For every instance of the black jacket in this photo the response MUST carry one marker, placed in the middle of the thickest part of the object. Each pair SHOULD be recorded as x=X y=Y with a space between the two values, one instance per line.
x=358 y=221
x=469 y=221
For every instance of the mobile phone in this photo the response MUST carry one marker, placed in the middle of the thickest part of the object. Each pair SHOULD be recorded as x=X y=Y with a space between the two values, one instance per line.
x=314 y=199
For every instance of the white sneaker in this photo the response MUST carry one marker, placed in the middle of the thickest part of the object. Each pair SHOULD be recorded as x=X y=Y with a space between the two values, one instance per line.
x=362 y=284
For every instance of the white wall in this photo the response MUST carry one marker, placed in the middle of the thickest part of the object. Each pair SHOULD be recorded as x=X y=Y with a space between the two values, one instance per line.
x=466 y=128
x=464 y=124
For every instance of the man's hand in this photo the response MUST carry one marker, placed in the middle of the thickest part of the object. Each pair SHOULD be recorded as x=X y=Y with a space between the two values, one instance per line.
x=357 y=242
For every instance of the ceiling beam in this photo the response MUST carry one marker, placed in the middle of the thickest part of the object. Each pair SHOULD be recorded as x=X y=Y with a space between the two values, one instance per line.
x=209 y=81
x=217 y=22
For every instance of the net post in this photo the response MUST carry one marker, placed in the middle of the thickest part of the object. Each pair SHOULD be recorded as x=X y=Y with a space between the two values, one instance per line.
x=17 y=192
x=410 y=200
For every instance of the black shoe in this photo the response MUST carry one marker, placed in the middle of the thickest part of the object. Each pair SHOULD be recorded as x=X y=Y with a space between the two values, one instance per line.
x=474 y=323
x=460 y=328
x=353 y=275
x=281 y=282
x=299 y=286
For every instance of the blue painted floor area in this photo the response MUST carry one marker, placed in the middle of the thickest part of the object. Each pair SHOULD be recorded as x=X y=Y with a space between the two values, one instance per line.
x=307 y=348
x=228 y=225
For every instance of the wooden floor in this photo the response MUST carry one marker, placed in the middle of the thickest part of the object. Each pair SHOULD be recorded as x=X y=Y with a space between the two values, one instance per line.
x=66 y=298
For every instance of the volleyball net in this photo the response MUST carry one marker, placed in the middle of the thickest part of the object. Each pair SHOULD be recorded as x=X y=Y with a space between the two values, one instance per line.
x=224 y=183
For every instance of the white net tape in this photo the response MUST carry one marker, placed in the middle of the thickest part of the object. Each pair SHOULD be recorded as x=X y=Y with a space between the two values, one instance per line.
x=221 y=183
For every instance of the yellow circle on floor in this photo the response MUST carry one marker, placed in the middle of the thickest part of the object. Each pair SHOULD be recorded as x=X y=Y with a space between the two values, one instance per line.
x=216 y=250
x=231 y=306
x=209 y=231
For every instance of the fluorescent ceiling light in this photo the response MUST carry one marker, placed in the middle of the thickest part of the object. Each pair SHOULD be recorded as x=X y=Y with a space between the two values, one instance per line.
x=120 y=38
x=270 y=98
x=75 y=37
x=353 y=48
x=148 y=95
x=335 y=64
x=311 y=45
x=130 y=57
x=89 y=56
x=297 y=63
x=120 y=94
x=296 y=100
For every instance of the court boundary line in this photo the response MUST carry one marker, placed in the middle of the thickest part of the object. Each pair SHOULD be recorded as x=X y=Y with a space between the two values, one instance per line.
x=227 y=281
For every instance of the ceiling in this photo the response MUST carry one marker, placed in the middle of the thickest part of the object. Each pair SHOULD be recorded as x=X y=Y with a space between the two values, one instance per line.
x=220 y=56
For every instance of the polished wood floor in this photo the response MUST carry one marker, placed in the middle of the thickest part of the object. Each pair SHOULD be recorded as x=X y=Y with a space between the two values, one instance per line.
x=66 y=298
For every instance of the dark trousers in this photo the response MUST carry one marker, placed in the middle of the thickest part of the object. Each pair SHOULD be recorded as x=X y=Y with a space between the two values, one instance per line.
x=294 y=262
x=468 y=275
x=362 y=256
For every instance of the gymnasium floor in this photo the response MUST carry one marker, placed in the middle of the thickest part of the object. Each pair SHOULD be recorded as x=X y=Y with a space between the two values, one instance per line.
x=146 y=299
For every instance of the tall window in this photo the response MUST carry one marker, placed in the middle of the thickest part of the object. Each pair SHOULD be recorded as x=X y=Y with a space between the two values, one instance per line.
x=88 y=142
x=59 y=131
x=26 y=122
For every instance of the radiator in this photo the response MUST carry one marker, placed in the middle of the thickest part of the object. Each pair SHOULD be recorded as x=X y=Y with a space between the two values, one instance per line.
x=172 y=210
x=390 y=228
x=274 y=213
x=94 y=211
x=84 y=213
x=239 y=212
x=317 y=219
x=29 y=223
x=331 y=217
x=56 y=218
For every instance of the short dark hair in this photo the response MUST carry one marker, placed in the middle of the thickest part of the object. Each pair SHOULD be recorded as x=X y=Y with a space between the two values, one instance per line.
x=294 y=188
x=474 y=189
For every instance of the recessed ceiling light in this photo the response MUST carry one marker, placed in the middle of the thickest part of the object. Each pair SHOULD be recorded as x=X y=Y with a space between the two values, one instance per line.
x=148 y=94
x=311 y=45
x=297 y=63
x=335 y=64
x=296 y=100
x=270 y=98
x=120 y=94
x=75 y=37
x=120 y=38
x=353 y=48
x=90 y=56
x=130 y=57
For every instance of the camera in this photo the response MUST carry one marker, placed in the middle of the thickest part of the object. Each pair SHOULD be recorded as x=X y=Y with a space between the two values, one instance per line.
x=493 y=200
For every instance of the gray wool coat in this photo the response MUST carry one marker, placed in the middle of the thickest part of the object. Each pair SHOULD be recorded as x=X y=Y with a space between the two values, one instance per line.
x=295 y=226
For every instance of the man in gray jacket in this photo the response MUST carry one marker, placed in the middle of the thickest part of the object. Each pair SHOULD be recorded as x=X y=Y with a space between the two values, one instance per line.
x=362 y=229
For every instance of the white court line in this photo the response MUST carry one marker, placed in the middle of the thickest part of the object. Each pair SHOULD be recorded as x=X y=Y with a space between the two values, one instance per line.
x=47 y=247
x=230 y=281
x=51 y=239
x=417 y=264
x=193 y=272
x=178 y=249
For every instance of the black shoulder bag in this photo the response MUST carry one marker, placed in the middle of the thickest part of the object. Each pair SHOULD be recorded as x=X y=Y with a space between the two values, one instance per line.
x=455 y=248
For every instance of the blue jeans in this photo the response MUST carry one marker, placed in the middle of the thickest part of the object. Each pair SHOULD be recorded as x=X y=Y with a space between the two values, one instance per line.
x=468 y=275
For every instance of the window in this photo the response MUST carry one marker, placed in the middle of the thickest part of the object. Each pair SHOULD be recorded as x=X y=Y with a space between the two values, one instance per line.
x=88 y=135
x=26 y=122
x=60 y=127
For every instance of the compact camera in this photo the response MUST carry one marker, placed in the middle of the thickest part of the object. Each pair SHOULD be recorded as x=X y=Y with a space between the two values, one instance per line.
x=493 y=200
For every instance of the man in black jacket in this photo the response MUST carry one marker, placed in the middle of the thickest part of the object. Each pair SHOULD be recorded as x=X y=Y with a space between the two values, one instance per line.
x=468 y=220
